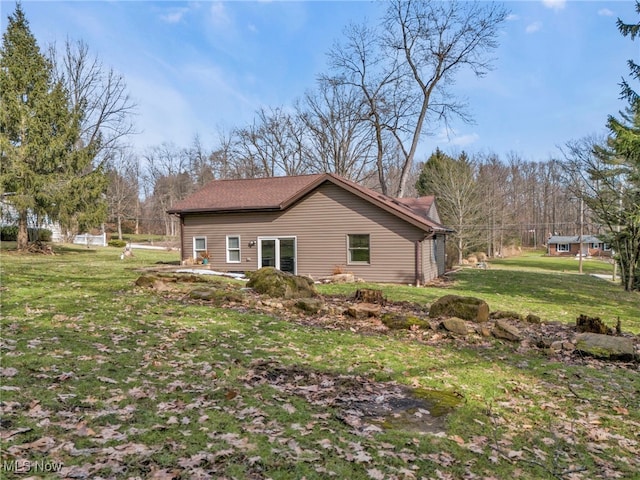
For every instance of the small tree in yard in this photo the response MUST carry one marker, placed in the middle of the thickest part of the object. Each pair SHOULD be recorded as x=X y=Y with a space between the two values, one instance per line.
x=44 y=168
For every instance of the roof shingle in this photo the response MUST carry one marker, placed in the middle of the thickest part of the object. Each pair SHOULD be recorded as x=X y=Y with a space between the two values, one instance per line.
x=278 y=193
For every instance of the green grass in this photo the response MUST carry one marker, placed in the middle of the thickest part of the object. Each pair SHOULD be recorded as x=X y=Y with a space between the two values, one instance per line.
x=120 y=382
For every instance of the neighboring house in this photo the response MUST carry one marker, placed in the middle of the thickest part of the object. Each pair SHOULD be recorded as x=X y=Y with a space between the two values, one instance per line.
x=311 y=225
x=566 y=246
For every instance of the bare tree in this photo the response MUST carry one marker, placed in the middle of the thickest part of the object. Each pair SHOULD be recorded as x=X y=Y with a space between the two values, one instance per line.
x=360 y=63
x=436 y=40
x=338 y=140
x=275 y=142
x=167 y=181
x=123 y=198
x=101 y=95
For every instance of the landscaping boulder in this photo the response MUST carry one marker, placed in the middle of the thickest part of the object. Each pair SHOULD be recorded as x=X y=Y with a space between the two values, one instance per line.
x=339 y=278
x=503 y=329
x=401 y=321
x=275 y=283
x=309 y=305
x=531 y=318
x=455 y=325
x=218 y=296
x=605 y=346
x=155 y=282
x=364 y=310
x=467 y=308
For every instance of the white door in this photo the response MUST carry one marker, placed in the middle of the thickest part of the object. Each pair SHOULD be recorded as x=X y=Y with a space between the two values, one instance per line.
x=278 y=252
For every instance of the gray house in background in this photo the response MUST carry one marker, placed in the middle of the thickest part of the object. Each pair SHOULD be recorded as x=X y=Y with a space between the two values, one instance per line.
x=311 y=225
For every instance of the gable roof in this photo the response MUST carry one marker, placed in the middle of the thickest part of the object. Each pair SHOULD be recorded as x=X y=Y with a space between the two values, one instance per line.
x=279 y=193
x=559 y=239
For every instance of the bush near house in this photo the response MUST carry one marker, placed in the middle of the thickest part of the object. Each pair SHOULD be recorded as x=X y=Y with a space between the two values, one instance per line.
x=10 y=234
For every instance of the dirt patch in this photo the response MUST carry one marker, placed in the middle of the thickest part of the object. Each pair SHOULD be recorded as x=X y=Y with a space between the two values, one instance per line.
x=366 y=406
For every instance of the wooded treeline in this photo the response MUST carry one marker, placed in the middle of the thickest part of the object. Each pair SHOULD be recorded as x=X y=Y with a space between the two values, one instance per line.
x=508 y=202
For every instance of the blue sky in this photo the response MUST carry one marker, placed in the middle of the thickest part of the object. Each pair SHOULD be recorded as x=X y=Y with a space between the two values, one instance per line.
x=202 y=67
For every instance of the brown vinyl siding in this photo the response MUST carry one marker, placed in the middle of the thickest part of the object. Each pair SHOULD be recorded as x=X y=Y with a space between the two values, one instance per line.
x=320 y=222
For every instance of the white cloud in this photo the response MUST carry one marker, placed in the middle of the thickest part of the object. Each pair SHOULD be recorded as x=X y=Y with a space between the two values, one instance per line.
x=533 y=27
x=512 y=17
x=605 y=12
x=464 y=140
x=219 y=14
x=175 y=15
x=452 y=138
x=554 y=4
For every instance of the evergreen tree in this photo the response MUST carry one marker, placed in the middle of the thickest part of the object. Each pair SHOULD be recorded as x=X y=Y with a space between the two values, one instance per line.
x=44 y=168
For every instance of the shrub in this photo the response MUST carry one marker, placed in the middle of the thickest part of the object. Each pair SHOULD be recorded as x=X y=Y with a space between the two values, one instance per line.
x=117 y=243
x=481 y=256
x=43 y=234
x=472 y=259
x=10 y=234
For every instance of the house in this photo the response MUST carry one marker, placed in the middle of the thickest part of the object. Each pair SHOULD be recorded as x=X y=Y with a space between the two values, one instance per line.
x=311 y=225
x=565 y=246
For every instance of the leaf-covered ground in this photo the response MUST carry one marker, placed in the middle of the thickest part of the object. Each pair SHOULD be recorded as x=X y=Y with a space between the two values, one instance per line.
x=103 y=379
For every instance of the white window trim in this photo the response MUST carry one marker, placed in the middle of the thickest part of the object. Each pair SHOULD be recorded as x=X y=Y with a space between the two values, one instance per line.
x=349 y=262
x=229 y=249
x=566 y=248
x=606 y=247
x=195 y=252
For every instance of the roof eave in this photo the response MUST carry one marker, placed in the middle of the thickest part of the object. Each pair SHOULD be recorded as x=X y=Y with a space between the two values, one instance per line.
x=185 y=211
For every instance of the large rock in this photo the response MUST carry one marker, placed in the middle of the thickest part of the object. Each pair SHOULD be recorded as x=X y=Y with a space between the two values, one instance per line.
x=310 y=305
x=401 y=321
x=503 y=329
x=455 y=325
x=467 y=308
x=218 y=296
x=605 y=346
x=364 y=310
x=273 y=282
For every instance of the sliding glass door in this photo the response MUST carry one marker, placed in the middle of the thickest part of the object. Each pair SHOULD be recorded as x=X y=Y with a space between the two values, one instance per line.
x=278 y=252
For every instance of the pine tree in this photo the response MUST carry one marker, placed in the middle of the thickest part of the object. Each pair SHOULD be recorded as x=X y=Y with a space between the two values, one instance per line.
x=44 y=168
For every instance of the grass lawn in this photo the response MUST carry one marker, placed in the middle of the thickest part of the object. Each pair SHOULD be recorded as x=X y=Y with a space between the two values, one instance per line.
x=100 y=378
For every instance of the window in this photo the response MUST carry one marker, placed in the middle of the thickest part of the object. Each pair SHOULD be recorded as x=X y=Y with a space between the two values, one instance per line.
x=606 y=247
x=594 y=246
x=199 y=247
x=359 y=251
x=563 y=247
x=233 y=249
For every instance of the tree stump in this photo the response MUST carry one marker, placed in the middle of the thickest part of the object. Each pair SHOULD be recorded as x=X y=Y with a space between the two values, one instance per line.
x=369 y=295
x=592 y=325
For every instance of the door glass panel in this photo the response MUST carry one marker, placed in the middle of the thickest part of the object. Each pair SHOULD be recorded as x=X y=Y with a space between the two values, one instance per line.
x=287 y=255
x=268 y=248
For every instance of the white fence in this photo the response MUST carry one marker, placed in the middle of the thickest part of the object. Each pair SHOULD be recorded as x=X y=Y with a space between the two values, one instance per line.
x=91 y=240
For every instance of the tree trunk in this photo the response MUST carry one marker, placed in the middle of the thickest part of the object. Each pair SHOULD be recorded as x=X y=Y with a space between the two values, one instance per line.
x=23 y=233
x=119 y=227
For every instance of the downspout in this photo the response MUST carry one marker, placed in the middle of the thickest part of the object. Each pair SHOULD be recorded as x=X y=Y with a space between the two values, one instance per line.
x=182 y=239
x=418 y=264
